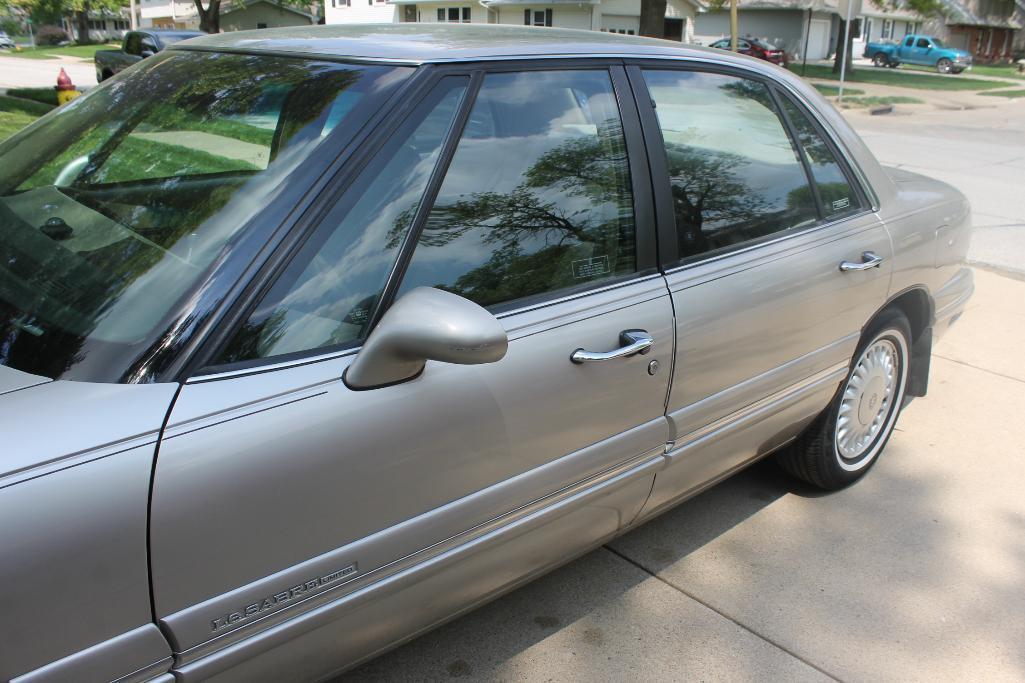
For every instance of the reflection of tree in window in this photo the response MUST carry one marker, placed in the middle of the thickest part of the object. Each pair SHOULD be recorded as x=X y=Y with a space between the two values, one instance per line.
x=734 y=173
x=567 y=220
x=837 y=195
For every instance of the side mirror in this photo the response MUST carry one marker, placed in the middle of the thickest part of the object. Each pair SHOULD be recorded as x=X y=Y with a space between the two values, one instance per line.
x=426 y=324
x=146 y=53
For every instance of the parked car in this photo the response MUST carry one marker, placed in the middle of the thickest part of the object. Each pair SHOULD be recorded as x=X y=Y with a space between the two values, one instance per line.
x=312 y=338
x=136 y=46
x=921 y=50
x=5 y=41
x=755 y=48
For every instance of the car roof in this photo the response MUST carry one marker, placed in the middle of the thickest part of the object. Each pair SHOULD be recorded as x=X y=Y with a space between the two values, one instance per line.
x=417 y=43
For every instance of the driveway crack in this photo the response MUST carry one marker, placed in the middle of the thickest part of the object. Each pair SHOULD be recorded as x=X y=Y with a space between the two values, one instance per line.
x=724 y=615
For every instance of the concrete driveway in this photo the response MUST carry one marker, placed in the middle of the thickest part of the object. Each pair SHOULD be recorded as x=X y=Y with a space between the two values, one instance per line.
x=917 y=572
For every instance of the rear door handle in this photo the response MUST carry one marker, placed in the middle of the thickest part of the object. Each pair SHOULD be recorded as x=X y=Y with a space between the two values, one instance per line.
x=633 y=342
x=869 y=259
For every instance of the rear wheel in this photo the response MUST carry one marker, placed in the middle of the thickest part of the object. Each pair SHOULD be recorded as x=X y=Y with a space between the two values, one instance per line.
x=880 y=60
x=845 y=441
x=944 y=66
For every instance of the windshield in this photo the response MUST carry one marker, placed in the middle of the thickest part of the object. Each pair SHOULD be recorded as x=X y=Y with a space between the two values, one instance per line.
x=168 y=38
x=117 y=205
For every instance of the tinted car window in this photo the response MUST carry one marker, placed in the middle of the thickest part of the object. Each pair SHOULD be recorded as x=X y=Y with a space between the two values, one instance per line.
x=115 y=207
x=734 y=173
x=922 y=42
x=133 y=43
x=838 y=197
x=537 y=198
x=326 y=295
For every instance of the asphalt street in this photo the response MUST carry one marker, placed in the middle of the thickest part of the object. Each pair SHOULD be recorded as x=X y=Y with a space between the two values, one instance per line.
x=979 y=151
x=917 y=572
x=18 y=72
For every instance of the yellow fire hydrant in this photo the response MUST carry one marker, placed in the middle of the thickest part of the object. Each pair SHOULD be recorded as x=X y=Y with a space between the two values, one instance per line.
x=65 y=88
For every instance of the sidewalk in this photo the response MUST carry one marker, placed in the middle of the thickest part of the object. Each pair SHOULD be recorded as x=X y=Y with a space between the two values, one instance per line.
x=915 y=573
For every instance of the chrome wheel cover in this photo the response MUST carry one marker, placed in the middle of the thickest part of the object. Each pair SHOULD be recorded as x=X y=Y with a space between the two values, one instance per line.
x=867 y=405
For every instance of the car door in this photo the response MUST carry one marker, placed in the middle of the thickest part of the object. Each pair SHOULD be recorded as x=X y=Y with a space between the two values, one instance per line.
x=277 y=486
x=758 y=214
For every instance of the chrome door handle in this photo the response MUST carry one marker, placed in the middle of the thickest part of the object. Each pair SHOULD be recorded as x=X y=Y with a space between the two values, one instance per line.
x=869 y=259
x=633 y=341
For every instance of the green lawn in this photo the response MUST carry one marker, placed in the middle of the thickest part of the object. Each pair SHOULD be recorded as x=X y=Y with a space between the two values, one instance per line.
x=903 y=79
x=15 y=114
x=833 y=91
x=83 y=51
x=1003 y=71
x=852 y=102
x=1013 y=92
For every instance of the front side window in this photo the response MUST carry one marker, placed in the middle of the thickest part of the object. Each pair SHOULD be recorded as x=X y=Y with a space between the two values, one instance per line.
x=116 y=206
x=922 y=42
x=734 y=174
x=325 y=296
x=537 y=198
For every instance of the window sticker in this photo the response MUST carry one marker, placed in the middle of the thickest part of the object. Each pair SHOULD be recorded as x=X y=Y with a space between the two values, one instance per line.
x=587 y=268
x=841 y=204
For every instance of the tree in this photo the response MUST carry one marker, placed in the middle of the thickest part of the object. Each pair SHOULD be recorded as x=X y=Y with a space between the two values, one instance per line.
x=210 y=16
x=653 y=18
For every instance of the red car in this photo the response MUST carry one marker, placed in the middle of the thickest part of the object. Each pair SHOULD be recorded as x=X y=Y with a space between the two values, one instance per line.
x=755 y=48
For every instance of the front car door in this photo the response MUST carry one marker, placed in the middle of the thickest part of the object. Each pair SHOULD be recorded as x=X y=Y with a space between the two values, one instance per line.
x=758 y=212
x=280 y=493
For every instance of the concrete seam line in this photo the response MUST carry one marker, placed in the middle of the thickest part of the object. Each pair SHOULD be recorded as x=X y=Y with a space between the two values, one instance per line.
x=724 y=615
x=976 y=367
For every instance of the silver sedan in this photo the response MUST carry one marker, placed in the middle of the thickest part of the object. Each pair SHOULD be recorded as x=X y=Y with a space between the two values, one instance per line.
x=313 y=338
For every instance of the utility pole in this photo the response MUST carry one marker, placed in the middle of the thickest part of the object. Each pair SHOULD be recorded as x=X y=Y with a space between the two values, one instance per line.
x=734 y=31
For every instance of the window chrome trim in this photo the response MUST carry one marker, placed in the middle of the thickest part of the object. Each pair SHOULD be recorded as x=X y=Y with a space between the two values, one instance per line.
x=759 y=245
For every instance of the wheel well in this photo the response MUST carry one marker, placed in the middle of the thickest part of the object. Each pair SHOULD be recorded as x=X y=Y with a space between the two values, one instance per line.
x=916 y=304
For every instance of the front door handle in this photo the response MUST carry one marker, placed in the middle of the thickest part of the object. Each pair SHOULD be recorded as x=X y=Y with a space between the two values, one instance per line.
x=869 y=259
x=633 y=342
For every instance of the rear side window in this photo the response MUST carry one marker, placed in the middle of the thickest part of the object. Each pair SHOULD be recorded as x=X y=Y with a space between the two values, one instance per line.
x=537 y=198
x=735 y=175
x=838 y=197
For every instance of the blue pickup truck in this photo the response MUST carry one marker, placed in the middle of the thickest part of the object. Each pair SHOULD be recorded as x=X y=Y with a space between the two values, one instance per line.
x=920 y=50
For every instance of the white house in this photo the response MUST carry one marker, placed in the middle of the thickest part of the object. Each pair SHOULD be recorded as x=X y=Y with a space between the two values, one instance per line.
x=795 y=26
x=618 y=16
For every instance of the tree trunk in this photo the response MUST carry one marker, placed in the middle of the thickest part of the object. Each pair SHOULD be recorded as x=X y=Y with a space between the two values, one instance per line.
x=209 y=18
x=845 y=36
x=82 y=20
x=653 y=18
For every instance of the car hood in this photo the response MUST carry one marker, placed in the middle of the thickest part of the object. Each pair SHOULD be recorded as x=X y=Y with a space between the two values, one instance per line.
x=47 y=426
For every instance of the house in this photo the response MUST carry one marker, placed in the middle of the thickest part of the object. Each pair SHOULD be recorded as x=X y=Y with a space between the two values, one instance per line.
x=616 y=16
x=988 y=29
x=263 y=14
x=104 y=25
x=235 y=16
x=791 y=25
x=178 y=14
x=877 y=24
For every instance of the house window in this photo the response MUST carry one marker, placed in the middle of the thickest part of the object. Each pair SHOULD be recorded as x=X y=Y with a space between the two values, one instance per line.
x=537 y=17
x=887 y=29
x=260 y=24
x=341 y=3
x=454 y=15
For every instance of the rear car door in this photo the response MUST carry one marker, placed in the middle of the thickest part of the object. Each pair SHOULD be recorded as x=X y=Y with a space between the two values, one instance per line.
x=278 y=488
x=757 y=212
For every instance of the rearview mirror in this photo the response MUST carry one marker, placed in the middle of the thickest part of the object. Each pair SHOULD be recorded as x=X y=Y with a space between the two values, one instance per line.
x=426 y=324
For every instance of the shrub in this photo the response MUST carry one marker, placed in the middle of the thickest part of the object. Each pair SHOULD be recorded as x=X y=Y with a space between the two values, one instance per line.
x=44 y=95
x=50 y=35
